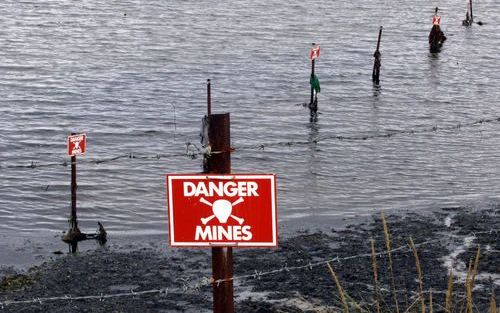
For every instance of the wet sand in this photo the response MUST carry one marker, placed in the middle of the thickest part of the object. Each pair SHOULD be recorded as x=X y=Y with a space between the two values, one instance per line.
x=292 y=278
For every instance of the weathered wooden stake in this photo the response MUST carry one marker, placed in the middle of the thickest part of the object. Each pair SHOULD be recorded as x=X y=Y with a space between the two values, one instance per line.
x=220 y=163
x=377 y=61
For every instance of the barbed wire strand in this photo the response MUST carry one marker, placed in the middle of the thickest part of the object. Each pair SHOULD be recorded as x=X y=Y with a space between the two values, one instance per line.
x=311 y=265
x=387 y=134
x=205 y=281
x=193 y=151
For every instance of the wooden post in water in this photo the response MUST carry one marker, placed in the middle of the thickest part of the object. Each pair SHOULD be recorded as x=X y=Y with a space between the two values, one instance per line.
x=377 y=61
x=220 y=163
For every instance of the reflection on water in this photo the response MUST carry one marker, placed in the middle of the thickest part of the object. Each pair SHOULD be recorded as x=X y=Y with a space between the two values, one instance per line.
x=377 y=90
x=434 y=67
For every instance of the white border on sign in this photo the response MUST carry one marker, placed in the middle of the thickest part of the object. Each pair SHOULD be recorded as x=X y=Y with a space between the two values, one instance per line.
x=172 y=242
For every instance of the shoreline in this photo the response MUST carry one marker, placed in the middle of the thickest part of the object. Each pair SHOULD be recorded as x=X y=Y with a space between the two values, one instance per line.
x=25 y=251
x=292 y=278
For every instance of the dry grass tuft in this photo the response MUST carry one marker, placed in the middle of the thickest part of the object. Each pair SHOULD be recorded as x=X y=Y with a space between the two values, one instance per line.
x=430 y=301
x=420 y=281
x=463 y=305
x=339 y=288
x=375 y=274
x=476 y=265
x=493 y=303
x=389 y=256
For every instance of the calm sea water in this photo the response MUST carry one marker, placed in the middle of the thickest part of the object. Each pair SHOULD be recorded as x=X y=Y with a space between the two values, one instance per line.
x=131 y=74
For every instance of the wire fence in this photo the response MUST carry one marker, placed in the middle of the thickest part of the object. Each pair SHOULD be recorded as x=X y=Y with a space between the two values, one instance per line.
x=387 y=134
x=336 y=259
x=193 y=151
x=187 y=285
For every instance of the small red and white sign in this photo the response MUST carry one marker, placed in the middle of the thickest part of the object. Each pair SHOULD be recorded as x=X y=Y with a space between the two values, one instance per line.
x=315 y=50
x=206 y=210
x=77 y=144
x=436 y=20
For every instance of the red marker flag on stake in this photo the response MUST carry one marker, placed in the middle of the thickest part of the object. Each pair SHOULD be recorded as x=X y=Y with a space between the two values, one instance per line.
x=436 y=20
x=77 y=144
x=315 y=51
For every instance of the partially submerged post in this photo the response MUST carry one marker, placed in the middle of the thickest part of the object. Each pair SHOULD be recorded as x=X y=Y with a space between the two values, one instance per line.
x=73 y=221
x=377 y=61
x=76 y=146
x=314 y=81
x=436 y=36
x=469 y=18
x=471 y=14
x=220 y=163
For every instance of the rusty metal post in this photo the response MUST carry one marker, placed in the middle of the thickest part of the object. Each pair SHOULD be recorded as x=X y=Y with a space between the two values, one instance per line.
x=219 y=162
x=222 y=268
x=209 y=98
x=73 y=235
x=222 y=257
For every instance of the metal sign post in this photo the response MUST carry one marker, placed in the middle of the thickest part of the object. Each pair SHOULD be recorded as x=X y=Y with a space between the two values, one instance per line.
x=76 y=146
x=220 y=210
x=220 y=163
x=222 y=257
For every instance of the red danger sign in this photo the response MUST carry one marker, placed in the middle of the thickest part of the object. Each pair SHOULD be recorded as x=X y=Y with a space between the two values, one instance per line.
x=77 y=144
x=222 y=210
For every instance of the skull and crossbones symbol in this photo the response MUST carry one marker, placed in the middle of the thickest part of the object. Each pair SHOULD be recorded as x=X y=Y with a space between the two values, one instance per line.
x=222 y=209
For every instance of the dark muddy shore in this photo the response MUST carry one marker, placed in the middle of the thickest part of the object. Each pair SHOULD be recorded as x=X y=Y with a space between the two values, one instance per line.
x=292 y=278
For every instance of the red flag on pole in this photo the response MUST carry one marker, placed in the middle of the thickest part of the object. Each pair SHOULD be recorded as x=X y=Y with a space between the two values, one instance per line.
x=314 y=52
